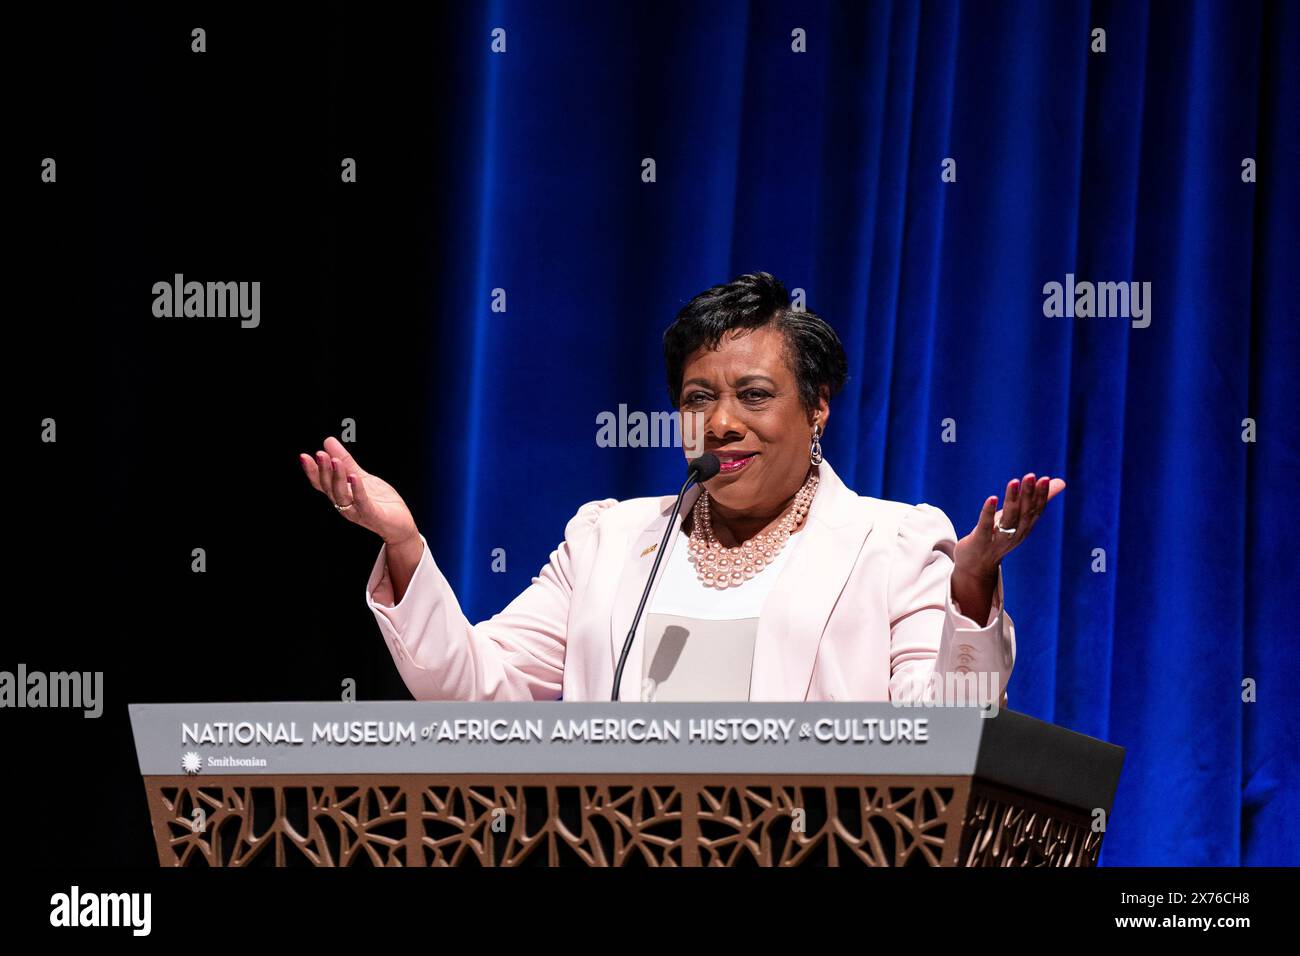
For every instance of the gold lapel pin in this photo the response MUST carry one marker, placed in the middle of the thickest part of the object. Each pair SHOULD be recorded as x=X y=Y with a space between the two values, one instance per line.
x=649 y=549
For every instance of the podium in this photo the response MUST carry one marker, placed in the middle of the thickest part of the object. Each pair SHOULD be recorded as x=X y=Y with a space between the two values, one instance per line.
x=420 y=783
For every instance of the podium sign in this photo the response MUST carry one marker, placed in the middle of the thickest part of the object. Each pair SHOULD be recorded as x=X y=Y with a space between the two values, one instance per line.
x=422 y=783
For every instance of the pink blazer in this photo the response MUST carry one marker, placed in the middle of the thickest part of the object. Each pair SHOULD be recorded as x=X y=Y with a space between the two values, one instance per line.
x=862 y=611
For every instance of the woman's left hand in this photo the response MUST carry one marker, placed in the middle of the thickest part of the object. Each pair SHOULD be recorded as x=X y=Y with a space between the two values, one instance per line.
x=980 y=552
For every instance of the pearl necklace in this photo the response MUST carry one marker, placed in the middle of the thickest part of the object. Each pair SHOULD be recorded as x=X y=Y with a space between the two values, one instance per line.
x=720 y=567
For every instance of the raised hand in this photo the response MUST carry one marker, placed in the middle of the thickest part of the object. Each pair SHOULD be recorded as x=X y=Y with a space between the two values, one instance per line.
x=359 y=496
x=980 y=552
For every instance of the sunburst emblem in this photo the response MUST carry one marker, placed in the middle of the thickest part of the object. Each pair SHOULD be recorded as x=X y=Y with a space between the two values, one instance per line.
x=192 y=762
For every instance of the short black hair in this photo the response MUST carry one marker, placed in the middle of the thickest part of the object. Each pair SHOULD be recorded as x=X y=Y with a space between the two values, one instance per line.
x=752 y=301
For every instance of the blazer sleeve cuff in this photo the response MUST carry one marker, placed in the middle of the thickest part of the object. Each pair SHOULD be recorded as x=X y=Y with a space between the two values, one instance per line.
x=394 y=617
x=970 y=648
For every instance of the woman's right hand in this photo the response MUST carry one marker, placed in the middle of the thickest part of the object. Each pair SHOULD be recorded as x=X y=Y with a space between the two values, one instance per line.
x=375 y=504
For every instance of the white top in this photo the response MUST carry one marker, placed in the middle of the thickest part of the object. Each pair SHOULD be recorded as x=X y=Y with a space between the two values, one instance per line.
x=699 y=641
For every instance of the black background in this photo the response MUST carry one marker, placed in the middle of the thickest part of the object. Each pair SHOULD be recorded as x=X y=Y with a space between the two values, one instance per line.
x=223 y=168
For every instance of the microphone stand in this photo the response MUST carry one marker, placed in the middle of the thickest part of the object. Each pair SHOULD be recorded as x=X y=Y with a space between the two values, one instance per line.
x=698 y=465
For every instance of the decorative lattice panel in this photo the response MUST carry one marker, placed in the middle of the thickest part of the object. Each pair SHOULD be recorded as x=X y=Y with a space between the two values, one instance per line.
x=625 y=821
x=1006 y=829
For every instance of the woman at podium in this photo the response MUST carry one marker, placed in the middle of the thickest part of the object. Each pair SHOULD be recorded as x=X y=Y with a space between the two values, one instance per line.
x=779 y=583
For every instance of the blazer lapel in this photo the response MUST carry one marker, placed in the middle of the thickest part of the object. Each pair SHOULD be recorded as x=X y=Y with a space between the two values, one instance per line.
x=631 y=583
x=795 y=613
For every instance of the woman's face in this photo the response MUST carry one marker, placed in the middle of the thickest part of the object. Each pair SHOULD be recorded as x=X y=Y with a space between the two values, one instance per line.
x=748 y=401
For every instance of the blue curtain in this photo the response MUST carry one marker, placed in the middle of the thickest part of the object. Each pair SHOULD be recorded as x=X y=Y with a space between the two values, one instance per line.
x=825 y=168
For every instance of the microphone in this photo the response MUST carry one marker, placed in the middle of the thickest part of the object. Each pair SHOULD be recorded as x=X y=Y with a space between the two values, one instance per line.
x=703 y=468
x=699 y=469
